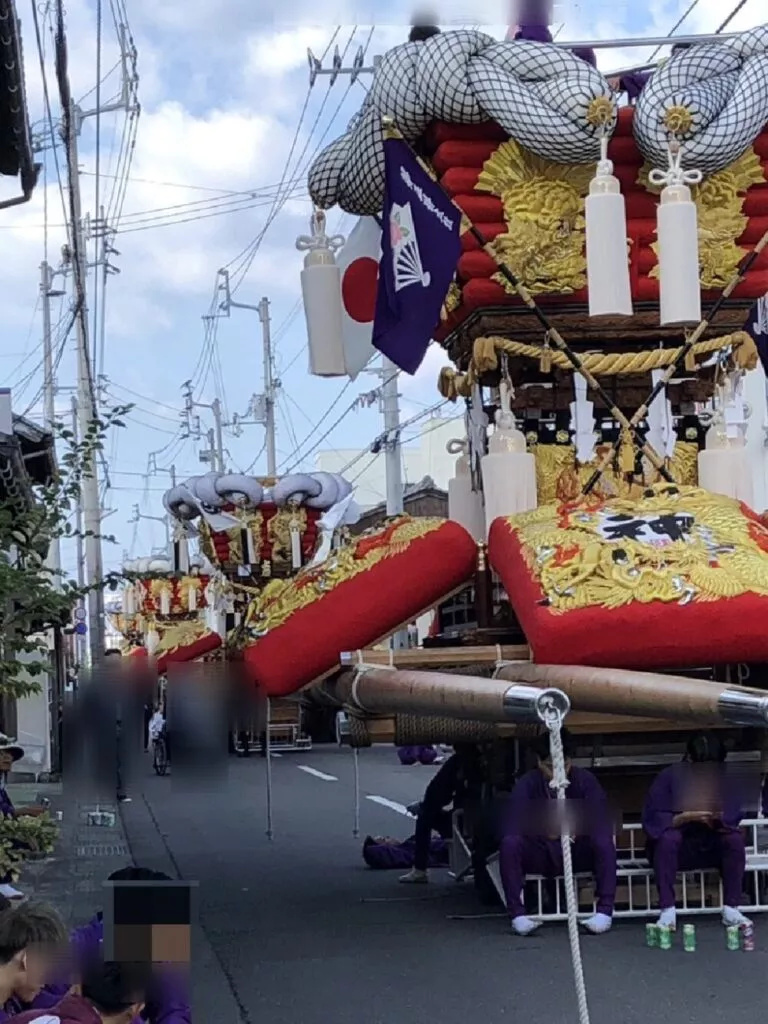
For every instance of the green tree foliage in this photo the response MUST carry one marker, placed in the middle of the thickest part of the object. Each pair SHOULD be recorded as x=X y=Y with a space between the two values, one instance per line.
x=32 y=598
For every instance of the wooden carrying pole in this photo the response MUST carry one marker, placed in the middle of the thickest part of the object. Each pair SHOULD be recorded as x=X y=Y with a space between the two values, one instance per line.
x=614 y=691
x=384 y=691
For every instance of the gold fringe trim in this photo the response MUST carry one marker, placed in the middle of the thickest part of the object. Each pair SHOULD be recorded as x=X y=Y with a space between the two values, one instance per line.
x=486 y=351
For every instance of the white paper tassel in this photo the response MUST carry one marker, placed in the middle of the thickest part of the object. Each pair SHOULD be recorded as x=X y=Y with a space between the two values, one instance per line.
x=607 y=257
x=321 y=290
x=295 y=545
x=465 y=506
x=509 y=471
x=151 y=640
x=129 y=601
x=678 y=242
x=192 y=599
x=583 y=421
x=165 y=603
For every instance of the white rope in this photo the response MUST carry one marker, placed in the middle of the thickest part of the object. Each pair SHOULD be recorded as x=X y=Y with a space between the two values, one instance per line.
x=268 y=747
x=553 y=719
x=356 y=757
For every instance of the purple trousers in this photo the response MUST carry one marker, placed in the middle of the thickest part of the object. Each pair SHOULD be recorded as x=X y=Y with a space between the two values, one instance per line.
x=697 y=849
x=528 y=855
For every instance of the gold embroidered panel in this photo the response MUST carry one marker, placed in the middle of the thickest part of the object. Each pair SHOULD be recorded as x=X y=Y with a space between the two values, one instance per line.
x=281 y=598
x=676 y=545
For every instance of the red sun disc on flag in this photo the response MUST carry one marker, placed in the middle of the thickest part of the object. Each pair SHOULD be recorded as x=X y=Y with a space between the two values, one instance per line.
x=358 y=289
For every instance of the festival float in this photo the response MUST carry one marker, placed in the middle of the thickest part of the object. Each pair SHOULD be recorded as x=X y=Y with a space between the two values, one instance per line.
x=591 y=270
x=252 y=533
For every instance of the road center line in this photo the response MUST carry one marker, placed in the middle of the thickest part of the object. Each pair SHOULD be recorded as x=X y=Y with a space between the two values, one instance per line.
x=391 y=804
x=316 y=773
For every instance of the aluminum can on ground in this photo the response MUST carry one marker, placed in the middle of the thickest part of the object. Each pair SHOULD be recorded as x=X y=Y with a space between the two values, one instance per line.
x=665 y=938
x=652 y=936
x=689 y=938
x=733 y=937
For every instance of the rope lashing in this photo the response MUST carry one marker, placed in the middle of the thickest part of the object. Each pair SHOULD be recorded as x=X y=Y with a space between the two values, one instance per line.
x=552 y=717
x=485 y=359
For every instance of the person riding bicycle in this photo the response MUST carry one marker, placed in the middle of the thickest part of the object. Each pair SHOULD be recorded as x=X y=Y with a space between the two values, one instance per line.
x=158 y=729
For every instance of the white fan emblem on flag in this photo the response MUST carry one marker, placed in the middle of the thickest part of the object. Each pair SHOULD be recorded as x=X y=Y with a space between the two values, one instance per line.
x=405 y=249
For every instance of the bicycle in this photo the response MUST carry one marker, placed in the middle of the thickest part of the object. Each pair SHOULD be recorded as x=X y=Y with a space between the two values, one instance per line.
x=159 y=756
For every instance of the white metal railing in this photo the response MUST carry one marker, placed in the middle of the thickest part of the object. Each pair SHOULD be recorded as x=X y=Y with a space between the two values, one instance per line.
x=699 y=892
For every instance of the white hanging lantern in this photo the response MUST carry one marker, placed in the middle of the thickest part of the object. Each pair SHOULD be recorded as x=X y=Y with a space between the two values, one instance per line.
x=608 y=284
x=321 y=291
x=677 y=232
x=509 y=471
x=129 y=601
x=465 y=505
x=151 y=640
x=724 y=463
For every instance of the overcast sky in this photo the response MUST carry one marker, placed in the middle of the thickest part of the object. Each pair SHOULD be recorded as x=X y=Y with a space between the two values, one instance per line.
x=222 y=90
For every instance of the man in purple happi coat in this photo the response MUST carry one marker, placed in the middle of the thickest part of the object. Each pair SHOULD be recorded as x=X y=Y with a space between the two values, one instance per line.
x=108 y=993
x=691 y=819
x=32 y=939
x=532 y=844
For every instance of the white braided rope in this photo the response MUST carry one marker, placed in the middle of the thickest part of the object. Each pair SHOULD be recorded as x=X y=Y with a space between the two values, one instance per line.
x=213 y=490
x=724 y=88
x=540 y=94
x=553 y=719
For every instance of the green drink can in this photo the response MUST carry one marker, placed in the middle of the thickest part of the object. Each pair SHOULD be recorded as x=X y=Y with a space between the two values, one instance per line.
x=689 y=938
x=733 y=937
x=652 y=936
x=665 y=938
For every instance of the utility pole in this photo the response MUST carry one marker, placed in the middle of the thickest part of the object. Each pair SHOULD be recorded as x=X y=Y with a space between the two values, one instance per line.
x=80 y=641
x=390 y=407
x=214 y=453
x=138 y=515
x=219 y=464
x=269 y=389
x=265 y=402
x=49 y=392
x=87 y=407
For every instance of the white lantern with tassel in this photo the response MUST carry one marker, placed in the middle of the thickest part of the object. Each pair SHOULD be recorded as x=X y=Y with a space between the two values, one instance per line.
x=509 y=471
x=610 y=293
x=677 y=233
x=321 y=290
x=465 y=505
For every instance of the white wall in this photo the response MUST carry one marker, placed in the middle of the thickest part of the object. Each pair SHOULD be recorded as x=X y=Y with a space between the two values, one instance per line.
x=425 y=456
x=33 y=725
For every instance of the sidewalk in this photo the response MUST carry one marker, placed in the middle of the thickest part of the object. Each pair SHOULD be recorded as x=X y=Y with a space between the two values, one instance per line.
x=71 y=877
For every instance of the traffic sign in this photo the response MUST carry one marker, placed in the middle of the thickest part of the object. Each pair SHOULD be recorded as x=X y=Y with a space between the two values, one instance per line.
x=81 y=629
x=80 y=614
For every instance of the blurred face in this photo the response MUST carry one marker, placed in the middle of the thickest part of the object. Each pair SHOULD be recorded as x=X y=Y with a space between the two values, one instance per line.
x=6 y=761
x=34 y=968
x=545 y=766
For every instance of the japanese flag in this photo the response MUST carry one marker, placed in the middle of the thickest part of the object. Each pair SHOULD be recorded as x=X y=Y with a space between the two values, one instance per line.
x=358 y=262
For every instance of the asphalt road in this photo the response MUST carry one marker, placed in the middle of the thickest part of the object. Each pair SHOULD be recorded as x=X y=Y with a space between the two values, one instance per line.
x=298 y=931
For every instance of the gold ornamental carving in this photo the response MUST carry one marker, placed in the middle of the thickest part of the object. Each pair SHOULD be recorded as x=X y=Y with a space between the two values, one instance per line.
x=279 y=532
x=544 y=211
x=720 y=207
x=560 y=478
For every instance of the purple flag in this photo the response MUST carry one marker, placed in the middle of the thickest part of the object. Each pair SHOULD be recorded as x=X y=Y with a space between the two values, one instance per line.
x=420 y=249
x=756 y=327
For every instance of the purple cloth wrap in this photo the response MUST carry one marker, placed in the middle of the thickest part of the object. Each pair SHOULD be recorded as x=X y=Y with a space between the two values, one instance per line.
x=388 y=856
x=412 y=755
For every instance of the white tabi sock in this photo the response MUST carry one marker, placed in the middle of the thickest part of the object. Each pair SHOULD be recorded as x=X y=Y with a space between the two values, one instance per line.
x=733 y=917
x=598 y=924
x=414 y=876
x=524 y=925
x=668 y=918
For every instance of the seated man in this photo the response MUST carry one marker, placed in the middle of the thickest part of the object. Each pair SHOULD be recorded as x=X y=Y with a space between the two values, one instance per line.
x=458 y=772
x=109 y=993
x=532 y=846
x=32 y=938
x=167 y=1000
x=691 y=819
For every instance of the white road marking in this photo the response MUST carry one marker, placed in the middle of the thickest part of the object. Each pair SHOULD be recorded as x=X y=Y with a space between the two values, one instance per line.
x=316 y=773
x=274 y=754
x=391 y=804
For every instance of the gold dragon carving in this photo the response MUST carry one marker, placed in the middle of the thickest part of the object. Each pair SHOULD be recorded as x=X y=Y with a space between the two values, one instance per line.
x=544 y=211
x=676 y=545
